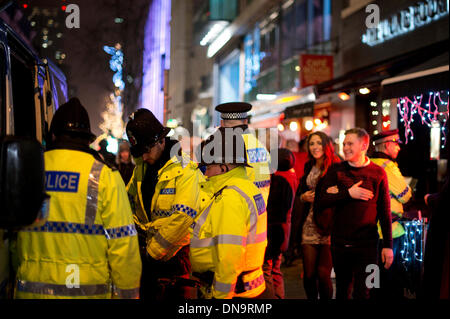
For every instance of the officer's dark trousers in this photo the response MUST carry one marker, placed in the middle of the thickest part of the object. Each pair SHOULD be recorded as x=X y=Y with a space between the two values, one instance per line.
x=350 y=266
x=393 y=280
x=273 y=278
x=153 y=270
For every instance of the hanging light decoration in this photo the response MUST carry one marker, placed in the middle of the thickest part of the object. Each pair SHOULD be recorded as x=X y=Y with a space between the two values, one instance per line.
x=431 y=108
x=112 y=124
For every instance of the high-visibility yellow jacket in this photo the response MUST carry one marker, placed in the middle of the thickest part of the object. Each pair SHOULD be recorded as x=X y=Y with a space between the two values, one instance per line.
x=399 y=192
x=175 y=204
x=88 y=248
x=229 y=237
x=4 y=264
x=259 y=158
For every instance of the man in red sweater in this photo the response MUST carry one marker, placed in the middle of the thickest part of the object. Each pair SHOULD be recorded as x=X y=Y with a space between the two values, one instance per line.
x=358 y=191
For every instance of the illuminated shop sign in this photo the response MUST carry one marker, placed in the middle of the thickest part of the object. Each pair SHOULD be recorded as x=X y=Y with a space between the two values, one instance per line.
x=407 y=20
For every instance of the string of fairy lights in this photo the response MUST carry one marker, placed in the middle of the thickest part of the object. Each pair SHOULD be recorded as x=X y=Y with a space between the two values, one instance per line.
x=432 y=109
x=412 y=250
x=112 y=124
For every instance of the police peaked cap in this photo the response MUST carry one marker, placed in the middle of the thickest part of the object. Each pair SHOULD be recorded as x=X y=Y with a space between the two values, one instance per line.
x=144 y=131
x=218 y=141
x=72 y=118
x=384 y=137
x=234 y=110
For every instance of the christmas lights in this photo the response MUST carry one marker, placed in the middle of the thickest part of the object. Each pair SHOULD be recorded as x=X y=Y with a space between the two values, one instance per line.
x=435 y=109
x=413 y=249
x=112 y=124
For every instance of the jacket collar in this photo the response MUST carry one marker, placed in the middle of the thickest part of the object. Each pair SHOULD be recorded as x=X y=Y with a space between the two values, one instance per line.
x=219 y=181
x=74 y=145
x=382 y=155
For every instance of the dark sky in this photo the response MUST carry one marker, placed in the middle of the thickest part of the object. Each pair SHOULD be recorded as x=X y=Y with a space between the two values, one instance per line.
x=88 y=69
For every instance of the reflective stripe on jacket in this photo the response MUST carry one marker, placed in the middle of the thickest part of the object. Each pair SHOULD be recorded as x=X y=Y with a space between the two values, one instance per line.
x=399 y=192
x=229 y=237
x=88 y=248
x=259 y=158
x=175 y=204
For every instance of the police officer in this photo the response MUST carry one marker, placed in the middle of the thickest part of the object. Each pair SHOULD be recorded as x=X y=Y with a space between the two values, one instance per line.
x=235 y=115
x=387 y=147
x=165 y=193
x=229 y=237
x=88 y=248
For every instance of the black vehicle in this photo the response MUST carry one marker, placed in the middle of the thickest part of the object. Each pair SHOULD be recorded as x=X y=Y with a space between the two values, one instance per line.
x=31 y=89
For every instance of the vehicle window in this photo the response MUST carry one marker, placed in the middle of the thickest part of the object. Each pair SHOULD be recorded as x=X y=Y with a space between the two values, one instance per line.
x=2 y=90
x=23 y=98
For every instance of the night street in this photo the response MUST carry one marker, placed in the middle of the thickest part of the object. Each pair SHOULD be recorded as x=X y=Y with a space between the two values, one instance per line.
x=244 y=150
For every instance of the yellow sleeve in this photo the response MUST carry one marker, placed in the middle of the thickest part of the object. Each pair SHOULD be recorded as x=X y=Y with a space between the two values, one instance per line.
x=230 y=222
x=174 y=233
x=397 y=184
x=123 y=249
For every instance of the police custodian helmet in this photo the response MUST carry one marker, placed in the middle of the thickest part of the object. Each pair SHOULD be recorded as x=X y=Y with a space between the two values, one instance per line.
x=217 y=149
x=72 y=118
x=143 y=131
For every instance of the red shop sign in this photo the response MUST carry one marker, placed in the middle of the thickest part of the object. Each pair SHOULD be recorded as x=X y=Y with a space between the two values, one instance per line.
x=315 y=69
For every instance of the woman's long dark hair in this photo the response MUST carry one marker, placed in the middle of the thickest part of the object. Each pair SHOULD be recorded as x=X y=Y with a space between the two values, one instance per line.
x=329 y=157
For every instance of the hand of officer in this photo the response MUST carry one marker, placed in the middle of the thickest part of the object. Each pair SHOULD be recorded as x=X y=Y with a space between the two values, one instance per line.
x=332 y=190
x=387 y=257
x=357 y=192
x=308 y=196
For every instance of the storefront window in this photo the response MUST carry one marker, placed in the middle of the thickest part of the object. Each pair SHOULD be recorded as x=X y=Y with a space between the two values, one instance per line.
x=223 y=9
x=269 y=45
x=303 y=24
x=290 y=74
x=252 y=64
x=301 y=21
x=288 y=32
x=267 y=83
x=229 y=79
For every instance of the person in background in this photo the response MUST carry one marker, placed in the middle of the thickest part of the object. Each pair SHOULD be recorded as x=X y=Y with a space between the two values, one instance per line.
x=279 y=207
x=124 y=162
x=300 y=151
x=436 y=270
x=108 y=157
x=358 y=190
x=317 y=261
x=386 y=151
x=301 y=157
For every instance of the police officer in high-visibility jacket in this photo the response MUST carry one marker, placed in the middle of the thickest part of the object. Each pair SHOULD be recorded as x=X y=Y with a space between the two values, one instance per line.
x=387 y=147
x=88 y=248
x=165 y=193
x=235 y=115
x=229 y=237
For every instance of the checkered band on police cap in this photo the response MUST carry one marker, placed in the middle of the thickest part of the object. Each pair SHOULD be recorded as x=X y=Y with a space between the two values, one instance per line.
x=234 y=110
x=234 y=116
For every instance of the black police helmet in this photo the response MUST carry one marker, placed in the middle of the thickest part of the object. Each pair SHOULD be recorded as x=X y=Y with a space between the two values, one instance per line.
x=224 y=146
x=73 y=119
x=144 y=131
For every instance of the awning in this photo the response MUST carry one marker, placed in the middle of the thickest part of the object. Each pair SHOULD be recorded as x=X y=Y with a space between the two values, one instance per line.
x=435 y=79
x=302 y=110
x=377 y=72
